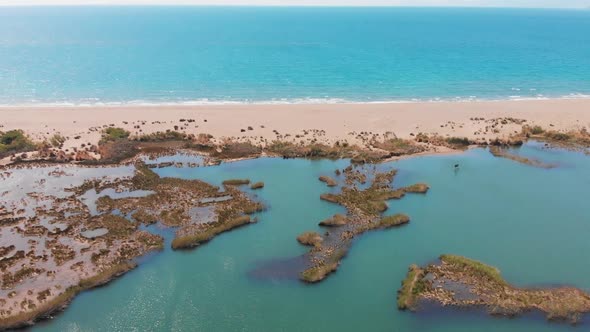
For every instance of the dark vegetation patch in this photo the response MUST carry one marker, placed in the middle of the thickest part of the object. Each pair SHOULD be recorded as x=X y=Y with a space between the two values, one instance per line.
x=462 y=282
x=207 y=233
x=57 y=303
x=324 y=151
x=162 y=136
x=399 y=147
x=114 y=133
x=14 y=141
x=335 y=221
x=328 y=181
x=364 y=213
x=576 y=139
x=236 y=182
x=502 y=152
x=172 y=203
x=310 y=239
x=236 y=150
x=57 y=140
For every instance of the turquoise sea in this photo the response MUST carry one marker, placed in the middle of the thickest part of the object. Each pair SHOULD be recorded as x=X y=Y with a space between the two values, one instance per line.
x=532 y=223
x=95 y=55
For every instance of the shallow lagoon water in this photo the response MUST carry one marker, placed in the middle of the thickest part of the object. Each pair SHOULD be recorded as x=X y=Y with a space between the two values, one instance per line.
x=532 y=223
x=90 y=197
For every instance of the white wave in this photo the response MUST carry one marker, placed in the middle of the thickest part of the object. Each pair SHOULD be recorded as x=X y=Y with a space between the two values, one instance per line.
x=95 y=102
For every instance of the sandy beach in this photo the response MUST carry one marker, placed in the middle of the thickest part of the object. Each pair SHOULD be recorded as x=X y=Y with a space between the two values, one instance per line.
x=336 y=121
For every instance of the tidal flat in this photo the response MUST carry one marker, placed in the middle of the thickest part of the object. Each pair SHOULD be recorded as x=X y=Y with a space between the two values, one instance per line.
x=530 y=222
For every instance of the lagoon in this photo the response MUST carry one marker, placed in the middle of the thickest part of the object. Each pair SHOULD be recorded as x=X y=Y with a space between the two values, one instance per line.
x=531 y=223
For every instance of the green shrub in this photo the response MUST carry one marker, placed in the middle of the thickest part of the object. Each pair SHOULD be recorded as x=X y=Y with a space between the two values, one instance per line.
x=114 y=133
x=14 y=141
x=161 y=136
x=537 y=130
x=57 y=140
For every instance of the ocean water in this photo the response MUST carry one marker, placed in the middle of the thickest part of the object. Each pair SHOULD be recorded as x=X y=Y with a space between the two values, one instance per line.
x=532 y=223
x=98 y=55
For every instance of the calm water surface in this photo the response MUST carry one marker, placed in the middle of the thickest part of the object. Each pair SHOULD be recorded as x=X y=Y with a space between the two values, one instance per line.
x=532 y=223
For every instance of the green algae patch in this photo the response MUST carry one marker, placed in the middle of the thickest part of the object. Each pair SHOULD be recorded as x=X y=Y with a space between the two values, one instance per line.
x=257 y=185
x=206 y=234
x=310 y=239
x=236 y=182
x=463 y=282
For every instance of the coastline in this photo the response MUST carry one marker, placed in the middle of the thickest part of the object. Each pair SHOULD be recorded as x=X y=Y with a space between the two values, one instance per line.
x=335 y=121
x=357 y=123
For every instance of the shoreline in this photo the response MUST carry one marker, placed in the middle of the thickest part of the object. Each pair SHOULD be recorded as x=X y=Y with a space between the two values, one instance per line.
x=290 y=101
x=342 y=125
x=334 y=121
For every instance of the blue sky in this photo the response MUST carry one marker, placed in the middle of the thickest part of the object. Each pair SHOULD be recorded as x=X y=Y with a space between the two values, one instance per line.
x=463 y=3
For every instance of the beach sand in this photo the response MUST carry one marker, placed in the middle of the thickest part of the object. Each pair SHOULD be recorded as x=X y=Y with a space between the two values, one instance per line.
x=336 y=121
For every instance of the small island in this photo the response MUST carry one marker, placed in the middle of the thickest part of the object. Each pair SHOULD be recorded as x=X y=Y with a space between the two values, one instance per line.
x=461 y=282
x=365 y=208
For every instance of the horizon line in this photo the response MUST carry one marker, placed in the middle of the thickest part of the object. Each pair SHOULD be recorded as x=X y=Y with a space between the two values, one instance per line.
x=284 y=6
